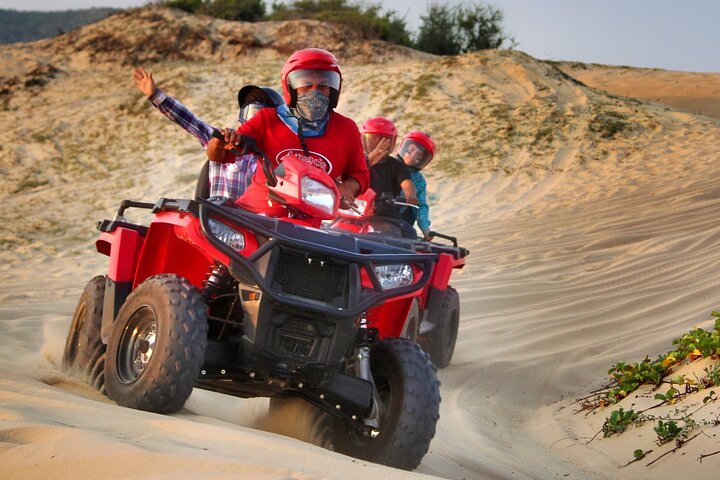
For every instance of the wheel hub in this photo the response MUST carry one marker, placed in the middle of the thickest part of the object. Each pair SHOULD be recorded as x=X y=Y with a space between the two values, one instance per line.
x=144 y=346
x=137 y=344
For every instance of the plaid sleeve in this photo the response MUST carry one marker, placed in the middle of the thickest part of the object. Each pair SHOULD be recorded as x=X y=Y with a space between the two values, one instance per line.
x=179 y=114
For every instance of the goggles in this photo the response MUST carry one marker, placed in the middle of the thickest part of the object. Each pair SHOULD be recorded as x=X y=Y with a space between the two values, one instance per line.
x=249 y=110
x=370 y=141
x=304 y=78
x=414 y=154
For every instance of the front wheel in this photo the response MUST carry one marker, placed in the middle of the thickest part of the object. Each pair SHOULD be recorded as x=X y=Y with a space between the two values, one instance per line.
x=84 y=353
x=157 y=345
x=408 y=398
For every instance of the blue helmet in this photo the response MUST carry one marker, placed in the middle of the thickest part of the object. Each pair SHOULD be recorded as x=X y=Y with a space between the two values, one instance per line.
x=252 y=99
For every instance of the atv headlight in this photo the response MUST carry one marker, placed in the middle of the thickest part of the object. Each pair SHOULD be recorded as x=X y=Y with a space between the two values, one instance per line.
x=392 y=276
x=317 y=195
x=227 y=235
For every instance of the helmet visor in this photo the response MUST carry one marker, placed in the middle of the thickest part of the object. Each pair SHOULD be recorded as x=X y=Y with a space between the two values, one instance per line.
x=249 y=110
x=371 y=140
x=414 y=154
x=305 y=78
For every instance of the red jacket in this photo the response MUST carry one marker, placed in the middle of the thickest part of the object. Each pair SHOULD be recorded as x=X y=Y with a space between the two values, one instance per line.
x=339 y=152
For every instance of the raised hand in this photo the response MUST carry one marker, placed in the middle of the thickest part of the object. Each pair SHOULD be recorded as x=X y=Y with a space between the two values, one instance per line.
x=381 y=149
x=144 y=81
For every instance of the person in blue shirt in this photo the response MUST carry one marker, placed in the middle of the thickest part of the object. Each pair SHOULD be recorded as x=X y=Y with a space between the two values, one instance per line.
x=417 y=150
x=388 y=175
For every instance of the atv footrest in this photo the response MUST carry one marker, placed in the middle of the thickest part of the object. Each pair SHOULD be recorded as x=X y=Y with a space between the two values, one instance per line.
x=352 y=394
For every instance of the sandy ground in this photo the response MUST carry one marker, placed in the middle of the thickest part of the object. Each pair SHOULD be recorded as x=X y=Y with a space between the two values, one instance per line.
x=592 y=225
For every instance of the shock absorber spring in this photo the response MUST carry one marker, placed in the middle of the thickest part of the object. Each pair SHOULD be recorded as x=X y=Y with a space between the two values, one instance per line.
x=214 y=281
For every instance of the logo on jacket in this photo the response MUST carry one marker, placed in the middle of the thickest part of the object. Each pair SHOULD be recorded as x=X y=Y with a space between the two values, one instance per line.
x=313 y=158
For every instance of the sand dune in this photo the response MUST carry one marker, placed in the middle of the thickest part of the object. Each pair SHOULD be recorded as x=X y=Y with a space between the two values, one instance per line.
x=591 y=220
x=692 y=92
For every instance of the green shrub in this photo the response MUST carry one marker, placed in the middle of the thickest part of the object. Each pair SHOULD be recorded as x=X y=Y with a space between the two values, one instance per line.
x=191 y=6
x=450 y=30
x=369 y=20
x=240 y=10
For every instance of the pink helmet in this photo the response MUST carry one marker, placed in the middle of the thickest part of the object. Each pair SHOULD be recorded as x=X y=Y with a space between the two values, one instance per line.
x=417 y=149
x=374 y=129
x=311 y=66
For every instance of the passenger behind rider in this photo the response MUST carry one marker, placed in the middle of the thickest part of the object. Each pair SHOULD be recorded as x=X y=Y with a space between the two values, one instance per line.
x=307 y=126
x=416 y=151
x=388 y=175
x=227 y=180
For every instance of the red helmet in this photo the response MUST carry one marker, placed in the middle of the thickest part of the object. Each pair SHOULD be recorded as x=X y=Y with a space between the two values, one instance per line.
x=379 y=126
x=417 y=149
x=314 y=62
x=376 y=128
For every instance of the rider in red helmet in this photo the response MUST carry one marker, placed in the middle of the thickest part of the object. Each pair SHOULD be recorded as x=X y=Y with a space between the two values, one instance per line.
x=387 y=174
x=307 y=127
x=417 y=150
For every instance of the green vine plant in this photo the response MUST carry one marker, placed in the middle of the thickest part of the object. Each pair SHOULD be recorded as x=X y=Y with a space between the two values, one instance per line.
x=667 y=431
x=619 y=421
x=639 y=454
x=670 y=397
x=628 y=377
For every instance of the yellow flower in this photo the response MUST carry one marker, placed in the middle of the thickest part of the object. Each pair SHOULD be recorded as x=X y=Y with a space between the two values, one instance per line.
x=669 y=360
x=694 y=354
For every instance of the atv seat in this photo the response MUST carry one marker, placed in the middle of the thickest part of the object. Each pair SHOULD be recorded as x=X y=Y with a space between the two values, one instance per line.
x=393 y=227
x=202 y=189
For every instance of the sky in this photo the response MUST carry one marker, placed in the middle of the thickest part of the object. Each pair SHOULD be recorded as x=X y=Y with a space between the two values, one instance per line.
x=669 y=34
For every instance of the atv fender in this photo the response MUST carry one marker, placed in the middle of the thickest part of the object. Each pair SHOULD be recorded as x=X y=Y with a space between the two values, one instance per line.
x=441 y=272
x=123 y=246
x=390 y=318
x=176 y=244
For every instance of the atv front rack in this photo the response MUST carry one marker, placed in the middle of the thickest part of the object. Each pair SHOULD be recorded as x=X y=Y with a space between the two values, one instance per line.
x=343 y=249
x=356 y=252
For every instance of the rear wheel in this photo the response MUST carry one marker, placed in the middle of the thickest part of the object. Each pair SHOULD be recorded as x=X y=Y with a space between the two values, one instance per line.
x=157 y=345
x=408 y=398
x=440 y=341
x=84 y=354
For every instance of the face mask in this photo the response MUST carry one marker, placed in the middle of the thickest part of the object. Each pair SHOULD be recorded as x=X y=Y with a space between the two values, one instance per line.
x=312 y=105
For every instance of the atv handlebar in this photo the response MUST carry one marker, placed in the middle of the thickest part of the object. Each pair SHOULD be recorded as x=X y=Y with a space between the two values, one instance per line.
x=433 y=234
x=388 y=198
x=125 y=204
x=249 y=146
x=464 y=252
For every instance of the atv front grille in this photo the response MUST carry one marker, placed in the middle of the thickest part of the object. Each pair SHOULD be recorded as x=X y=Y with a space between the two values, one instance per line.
x=298 y=337
x=311 y=278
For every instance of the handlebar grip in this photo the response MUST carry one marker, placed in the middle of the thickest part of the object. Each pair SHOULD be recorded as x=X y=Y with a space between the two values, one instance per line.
x=446 y=237
x=248 y=146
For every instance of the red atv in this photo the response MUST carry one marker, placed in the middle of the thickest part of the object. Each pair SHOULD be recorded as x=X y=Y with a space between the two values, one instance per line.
x=215 y=297
x=432 y=317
